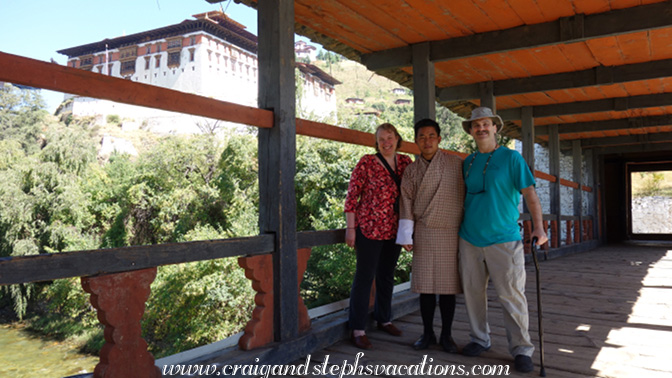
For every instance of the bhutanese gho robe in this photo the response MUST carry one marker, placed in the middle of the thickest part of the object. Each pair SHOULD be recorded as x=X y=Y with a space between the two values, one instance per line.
x=432 y=197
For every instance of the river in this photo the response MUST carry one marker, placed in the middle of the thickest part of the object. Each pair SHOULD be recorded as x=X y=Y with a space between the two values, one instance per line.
x=23 y=355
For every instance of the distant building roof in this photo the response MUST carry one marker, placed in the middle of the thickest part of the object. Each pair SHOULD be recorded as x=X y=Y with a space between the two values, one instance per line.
x=402 y=101
x=310 y=69
x=215 y=23
x=354 y=100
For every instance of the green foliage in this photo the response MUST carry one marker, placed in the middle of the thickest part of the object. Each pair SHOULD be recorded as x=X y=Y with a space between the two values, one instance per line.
x=57 y=197
x=22 y=116
x=651 y=184
x=197 y=303
x=113 y=118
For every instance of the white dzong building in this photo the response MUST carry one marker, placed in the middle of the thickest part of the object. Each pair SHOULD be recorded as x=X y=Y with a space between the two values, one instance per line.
x=210 y=55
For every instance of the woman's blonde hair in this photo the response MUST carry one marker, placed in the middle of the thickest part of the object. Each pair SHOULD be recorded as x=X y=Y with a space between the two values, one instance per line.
x=388 y=127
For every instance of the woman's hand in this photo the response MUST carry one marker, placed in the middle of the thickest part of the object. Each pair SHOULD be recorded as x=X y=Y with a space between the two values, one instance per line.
x=408 y=247
x=350 y=237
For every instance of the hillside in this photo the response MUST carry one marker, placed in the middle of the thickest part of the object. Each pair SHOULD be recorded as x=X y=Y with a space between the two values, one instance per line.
x=358 y=82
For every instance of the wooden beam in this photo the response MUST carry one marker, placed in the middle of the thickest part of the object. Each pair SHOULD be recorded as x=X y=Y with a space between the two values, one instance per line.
x=652 y=147
x=626 y=140
x=424 y=89
x=38 y=74
x=564 y=30
x=52 y=266
x=600 y=75
x=612 y=124
x=603 y=105
x=277 y=158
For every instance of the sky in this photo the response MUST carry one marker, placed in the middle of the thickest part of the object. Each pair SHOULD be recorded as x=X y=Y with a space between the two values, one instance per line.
x=38 y=28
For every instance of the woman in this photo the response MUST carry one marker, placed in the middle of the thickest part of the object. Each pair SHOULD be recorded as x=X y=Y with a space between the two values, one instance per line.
x=372 y=216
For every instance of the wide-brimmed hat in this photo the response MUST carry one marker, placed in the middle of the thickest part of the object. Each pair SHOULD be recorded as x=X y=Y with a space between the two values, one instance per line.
x=482 y=112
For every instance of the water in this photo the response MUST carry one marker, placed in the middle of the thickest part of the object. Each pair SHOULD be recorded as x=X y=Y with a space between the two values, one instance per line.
x=23 y=355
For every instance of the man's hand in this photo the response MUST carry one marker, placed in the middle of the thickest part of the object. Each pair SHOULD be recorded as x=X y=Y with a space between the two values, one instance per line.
x=408 y=247
x=539 y=233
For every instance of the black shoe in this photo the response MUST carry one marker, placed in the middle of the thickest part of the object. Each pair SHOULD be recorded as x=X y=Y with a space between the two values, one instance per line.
x=523 y=363
x=474 y=349
x=424 y=341
x=448 y=344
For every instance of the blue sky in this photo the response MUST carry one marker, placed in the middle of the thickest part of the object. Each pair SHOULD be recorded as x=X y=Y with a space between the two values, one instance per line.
x=38 y=28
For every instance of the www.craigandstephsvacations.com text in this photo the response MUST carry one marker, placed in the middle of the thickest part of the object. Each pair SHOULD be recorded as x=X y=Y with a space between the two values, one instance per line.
x=426 y=367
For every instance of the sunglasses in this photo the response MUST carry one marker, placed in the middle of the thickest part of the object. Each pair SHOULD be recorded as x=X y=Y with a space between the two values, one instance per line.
x=484 y=169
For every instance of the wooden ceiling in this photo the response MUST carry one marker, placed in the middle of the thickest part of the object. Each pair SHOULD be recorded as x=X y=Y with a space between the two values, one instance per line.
x=600 y=69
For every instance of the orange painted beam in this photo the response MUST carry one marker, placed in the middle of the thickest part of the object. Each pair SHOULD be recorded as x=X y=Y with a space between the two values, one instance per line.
x=39 y=74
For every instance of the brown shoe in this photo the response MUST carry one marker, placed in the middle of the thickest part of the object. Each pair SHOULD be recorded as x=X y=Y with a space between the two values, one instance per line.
x=390 y=328
x=361 y=342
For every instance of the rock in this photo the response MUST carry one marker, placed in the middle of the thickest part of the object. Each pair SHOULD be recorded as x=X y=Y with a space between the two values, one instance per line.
x=111 y=144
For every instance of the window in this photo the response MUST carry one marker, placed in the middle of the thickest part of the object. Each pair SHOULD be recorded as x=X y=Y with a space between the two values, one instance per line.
x=128 y=67
x=87 y=61
x=192 y=41
x=147 y=59
x=158 y=48
x=149 y=50
x=175 y=44
x=130 y=52
x=191 y=55
x=158 y=61
x=174 y=59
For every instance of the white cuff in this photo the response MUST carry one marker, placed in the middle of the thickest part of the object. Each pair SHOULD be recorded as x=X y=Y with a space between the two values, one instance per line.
x=405 y=232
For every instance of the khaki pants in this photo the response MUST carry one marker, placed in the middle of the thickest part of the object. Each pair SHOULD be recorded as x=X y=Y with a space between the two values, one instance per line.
x=505 y=264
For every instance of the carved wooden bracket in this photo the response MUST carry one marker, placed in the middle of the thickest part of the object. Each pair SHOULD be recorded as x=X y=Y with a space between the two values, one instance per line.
x=555 y=234
x=120 y=300
x=568 y=236
x=259 y=269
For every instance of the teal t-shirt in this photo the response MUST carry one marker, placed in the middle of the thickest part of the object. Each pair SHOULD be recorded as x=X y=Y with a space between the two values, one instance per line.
x=491 y=204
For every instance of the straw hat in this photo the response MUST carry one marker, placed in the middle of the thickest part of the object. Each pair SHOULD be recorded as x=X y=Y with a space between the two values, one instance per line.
x=482 y=112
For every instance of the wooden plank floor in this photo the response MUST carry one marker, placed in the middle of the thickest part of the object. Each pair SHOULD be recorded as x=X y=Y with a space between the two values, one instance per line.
x=607 y=313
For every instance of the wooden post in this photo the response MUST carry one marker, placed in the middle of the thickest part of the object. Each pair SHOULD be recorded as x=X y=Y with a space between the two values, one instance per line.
x=578 y=193
x=527 y=133
x=424 y=88
x=277 y=157
x=487 y=93
x=592 y=181
x=554 y=170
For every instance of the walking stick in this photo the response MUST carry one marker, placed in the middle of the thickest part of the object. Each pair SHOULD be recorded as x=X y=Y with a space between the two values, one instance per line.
x=542 y=371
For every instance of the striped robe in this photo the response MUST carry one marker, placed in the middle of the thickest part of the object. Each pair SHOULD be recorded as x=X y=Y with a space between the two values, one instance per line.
x=432 y=195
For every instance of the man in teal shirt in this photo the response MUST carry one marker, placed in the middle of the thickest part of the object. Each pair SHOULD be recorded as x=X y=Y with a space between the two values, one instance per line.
x=490 y=241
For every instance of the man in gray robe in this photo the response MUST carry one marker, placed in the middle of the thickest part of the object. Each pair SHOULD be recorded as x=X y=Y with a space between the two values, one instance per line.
x=431 y=207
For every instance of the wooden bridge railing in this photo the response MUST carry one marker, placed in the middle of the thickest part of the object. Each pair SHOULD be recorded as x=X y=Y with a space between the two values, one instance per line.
x=118 y=279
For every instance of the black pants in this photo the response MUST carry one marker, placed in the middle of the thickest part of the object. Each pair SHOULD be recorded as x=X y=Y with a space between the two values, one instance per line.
x=375 y=259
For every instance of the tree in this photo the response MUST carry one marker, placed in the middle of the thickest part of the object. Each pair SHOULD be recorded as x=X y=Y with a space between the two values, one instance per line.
x=22 y=116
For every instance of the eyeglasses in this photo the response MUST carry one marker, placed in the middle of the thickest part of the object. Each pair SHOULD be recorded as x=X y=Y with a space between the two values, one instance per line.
x=484 y=169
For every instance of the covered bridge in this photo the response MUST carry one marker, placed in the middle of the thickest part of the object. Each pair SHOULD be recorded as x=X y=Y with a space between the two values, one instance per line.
x=590 y=77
